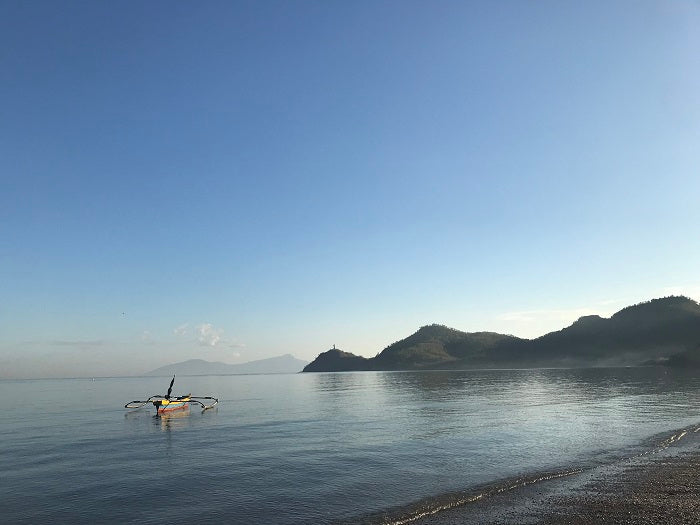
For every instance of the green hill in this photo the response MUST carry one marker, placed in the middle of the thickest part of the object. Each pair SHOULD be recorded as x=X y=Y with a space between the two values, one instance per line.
x=335 y=360
x=654 y=330
x=437 y=346
x=663 y=330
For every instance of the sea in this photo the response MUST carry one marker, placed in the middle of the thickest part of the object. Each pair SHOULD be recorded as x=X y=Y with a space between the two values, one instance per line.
x=326 y=448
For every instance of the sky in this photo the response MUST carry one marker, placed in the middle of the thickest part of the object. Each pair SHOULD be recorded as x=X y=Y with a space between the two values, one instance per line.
x=233 y=181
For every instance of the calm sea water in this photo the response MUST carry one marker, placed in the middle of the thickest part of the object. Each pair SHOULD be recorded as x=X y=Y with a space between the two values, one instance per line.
x=315 y=448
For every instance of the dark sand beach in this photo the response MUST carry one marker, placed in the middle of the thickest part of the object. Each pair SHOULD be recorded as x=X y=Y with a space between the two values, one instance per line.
x=660 y=487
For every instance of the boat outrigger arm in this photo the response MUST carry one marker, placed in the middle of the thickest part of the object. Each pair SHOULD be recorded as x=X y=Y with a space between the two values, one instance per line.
x=168 y=403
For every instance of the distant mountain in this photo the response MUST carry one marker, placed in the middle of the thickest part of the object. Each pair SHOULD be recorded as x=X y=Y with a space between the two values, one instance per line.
x=284 y=364
x=661 y=331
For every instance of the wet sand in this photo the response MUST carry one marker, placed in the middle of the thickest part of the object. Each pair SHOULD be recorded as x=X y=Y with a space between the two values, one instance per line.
x=666 y=491
x=662 y=487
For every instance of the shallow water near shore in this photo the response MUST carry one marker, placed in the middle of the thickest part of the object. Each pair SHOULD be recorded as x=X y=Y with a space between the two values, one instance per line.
x=318 y=448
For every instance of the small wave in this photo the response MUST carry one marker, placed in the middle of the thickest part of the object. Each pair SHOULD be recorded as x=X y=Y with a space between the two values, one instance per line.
x=661 y=442
x=430 y=506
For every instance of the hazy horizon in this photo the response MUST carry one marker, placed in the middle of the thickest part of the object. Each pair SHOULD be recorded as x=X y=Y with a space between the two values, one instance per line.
x=27 y=368
x=238 y=180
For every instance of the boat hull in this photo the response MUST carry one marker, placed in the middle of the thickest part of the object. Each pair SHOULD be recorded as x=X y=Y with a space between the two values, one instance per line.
x=171 y=406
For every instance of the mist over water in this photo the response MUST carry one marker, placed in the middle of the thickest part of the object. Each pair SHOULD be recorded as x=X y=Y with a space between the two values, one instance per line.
x=315 y=448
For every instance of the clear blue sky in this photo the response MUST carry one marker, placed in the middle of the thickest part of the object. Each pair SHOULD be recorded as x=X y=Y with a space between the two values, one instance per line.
x=238 y=180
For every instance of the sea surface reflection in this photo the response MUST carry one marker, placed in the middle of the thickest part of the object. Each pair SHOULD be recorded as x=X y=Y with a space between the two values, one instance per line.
x=316 y=448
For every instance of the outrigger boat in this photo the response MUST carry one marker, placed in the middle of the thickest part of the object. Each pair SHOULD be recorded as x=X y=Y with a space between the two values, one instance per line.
x=168 y=403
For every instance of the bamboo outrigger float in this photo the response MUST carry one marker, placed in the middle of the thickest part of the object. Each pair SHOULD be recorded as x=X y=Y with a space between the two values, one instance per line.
x=168 y=403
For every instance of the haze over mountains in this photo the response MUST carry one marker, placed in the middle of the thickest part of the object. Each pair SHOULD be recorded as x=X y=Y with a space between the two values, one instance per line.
x=662 y=331
x=284 y=364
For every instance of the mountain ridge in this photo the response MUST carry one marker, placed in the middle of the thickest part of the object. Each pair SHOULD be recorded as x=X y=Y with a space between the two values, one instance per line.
x=660 y=331
x=283 y=364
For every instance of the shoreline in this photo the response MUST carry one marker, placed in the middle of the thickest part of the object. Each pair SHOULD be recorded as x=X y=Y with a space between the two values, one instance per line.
x=661 y=485
x=666 y=490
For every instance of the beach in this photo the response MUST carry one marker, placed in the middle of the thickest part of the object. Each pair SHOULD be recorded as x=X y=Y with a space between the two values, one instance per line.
x=660 y=487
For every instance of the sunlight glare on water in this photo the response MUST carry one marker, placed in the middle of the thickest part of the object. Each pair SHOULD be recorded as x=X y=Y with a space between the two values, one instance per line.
x=314 y=448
